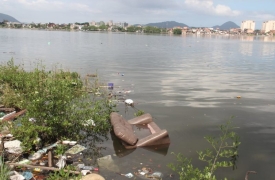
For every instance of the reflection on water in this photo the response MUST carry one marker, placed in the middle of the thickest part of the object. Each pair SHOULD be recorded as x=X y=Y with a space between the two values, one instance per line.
x=269 y=39
x=189 y=84
x=267 y=50
x=246 y=49
x=247 y=38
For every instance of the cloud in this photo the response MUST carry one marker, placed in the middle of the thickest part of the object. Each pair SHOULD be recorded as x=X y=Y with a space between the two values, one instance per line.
x=207 y=6
x=49 y=5
x=263 y=16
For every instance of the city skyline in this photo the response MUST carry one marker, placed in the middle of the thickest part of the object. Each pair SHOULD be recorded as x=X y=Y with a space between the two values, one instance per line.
x=191 y=12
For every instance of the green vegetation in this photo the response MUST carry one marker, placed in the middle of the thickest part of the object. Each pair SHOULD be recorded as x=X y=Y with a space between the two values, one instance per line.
x=4 y=170
x=134 y=29
x=150 y=29
x=177 y=31
x=139 y=113
x=224 y=153
x=64 y=174
x=60 y=149
x=59 y=102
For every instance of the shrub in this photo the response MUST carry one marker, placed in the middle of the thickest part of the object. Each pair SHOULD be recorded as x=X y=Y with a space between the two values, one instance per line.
x=57 y=100
x=224 y=153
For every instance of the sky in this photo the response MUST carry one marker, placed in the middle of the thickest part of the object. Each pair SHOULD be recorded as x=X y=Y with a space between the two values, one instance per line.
x=195 y=13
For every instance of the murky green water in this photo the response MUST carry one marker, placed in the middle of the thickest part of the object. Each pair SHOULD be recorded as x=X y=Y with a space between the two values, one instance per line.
x=188 y=84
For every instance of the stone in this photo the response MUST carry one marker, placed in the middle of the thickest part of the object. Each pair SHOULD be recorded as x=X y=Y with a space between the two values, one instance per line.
x=92 y=177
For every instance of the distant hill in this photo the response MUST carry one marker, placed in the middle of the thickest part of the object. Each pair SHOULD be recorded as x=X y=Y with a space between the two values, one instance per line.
x=166 y=24
x=226 y=26
x=7 y=17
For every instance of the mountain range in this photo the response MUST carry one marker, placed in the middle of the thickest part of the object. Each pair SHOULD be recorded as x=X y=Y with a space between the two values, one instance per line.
x=226 y=26
x=170 y=24
x=6 y=17
x=166 y=24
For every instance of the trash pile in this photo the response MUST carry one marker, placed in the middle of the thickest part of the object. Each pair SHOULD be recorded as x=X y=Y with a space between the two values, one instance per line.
x=145 y=173
x=60 y=156
x=109 y=163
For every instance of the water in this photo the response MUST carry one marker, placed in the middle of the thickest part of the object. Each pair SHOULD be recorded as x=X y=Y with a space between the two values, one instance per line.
x=188 y=84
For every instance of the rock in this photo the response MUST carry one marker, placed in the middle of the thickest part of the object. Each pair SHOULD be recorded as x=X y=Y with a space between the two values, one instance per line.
x=92 y=177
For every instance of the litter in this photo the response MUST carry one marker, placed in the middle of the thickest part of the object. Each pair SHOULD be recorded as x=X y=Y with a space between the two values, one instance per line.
x=13 y=147
x=75 y=149
x=66 y=142
x=72 y=143
x=111 y=86
x=128 y=175
x=25 y=161
x=142 y=173
x=27 y=175
x=9 y=135
x=17 y=177
x=32 y=120
x=89 y=122
x=61 y=162
x=85 y=172
x=91 y=168
x=80 y=166
x=129 y=102
x=35 y=156
x=155 y=175
x=2 y=114
x=108 y=163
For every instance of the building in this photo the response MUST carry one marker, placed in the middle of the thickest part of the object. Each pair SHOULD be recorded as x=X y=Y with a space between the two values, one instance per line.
x=268 y=26
x=119 y=24
x=92 y=23
x=249 y=24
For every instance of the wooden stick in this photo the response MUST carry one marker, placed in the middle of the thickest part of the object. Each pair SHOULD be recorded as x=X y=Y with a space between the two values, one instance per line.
x=2 y=148
x=50 y=158
x=42 y=167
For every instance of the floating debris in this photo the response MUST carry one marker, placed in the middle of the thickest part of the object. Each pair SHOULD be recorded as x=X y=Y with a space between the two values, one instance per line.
x=129 y=102
x=91 y=75
x=76 y=149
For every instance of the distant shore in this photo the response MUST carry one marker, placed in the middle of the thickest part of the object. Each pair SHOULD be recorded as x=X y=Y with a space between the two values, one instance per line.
x=167 y=33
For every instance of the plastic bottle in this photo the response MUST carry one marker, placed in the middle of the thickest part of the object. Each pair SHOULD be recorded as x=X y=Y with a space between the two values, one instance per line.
x=91 y=168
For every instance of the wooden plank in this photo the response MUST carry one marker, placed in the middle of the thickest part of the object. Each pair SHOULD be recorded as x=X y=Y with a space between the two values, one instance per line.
x=12 y=117
x=7 y=109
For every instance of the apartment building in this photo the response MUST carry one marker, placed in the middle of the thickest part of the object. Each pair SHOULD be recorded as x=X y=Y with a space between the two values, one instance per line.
x=248 y=25
x=268 y=26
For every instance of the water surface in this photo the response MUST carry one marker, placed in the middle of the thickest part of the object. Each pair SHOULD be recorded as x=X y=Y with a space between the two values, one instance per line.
x=188 y=84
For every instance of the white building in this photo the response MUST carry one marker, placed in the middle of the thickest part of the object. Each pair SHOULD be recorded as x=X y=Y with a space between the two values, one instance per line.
x=92 y=23
x=249 y=24
x=110 y=23
x=268 y=25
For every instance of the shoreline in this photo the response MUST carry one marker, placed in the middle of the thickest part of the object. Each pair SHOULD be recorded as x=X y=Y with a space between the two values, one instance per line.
x=187 y=34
